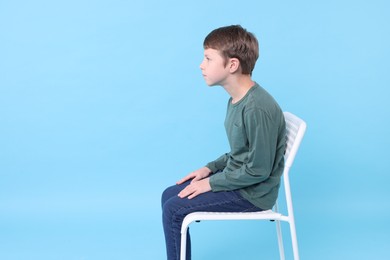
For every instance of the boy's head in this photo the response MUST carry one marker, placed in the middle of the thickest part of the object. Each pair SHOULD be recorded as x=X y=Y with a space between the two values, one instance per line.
x=235 y=42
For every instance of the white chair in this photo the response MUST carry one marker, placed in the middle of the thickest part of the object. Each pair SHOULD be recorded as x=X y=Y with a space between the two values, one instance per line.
x=296 y=128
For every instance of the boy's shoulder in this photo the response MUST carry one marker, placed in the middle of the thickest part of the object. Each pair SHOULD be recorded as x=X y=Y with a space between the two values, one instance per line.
x=261 y=100
x=261 y=97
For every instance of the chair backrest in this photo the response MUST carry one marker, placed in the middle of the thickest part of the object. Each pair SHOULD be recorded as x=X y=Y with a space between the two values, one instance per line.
x=295 y=128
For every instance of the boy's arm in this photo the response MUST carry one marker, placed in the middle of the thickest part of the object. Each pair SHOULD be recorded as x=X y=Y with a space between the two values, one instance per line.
x=218 y=164
x=211 y=167
x=262 y=135
x=200 y=183
x=196 y=175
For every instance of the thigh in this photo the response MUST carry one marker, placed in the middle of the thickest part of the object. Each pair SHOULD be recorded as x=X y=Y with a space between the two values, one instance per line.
x=224 y=201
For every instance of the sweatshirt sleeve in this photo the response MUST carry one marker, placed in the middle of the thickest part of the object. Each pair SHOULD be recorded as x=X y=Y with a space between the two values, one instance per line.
x=218 y=164
x=262 y=141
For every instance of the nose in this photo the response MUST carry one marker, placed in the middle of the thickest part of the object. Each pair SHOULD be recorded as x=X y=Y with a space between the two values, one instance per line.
x=201 y=66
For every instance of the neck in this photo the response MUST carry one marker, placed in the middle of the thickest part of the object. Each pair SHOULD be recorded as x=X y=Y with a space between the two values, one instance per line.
x=238 y=87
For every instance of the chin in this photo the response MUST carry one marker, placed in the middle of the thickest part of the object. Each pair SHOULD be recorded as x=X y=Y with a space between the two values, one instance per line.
x=211 y=84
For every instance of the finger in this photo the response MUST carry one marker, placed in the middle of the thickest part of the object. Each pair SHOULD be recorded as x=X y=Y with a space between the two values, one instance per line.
x=193 y=195
x=185 y=192
x=197 y=178
x=184 y=179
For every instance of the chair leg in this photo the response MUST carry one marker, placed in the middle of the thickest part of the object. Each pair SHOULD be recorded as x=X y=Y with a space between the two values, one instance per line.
x=183 y=243
x=294 y=239
x=279 y=234
x=280 y=239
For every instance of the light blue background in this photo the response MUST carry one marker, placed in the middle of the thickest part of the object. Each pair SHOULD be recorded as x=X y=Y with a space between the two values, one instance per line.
x=102 y=105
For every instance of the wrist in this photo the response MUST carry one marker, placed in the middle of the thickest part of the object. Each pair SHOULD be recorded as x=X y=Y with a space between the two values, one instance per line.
x=207 y=169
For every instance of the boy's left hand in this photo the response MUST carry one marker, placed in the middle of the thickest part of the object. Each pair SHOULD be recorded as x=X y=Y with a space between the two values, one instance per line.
x=195 y=188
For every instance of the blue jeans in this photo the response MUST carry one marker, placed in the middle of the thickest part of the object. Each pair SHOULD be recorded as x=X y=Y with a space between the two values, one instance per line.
x=175 y=209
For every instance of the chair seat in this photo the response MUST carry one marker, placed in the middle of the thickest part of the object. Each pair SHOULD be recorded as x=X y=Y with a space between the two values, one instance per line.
x=258 y=215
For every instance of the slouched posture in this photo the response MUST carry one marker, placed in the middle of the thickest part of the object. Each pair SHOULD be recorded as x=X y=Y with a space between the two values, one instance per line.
x=247 y=178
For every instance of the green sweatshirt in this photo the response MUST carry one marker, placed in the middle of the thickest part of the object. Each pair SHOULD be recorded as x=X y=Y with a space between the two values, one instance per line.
x=256 y=131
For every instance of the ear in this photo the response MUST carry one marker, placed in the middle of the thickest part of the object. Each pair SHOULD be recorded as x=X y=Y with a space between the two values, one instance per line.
x=234 y=65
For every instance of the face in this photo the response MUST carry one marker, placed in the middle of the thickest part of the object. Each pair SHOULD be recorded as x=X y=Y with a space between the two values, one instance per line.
x=213 y=68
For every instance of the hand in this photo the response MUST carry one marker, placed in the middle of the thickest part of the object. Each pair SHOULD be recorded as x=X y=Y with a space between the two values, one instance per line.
x=196 y=175
x=195 y=188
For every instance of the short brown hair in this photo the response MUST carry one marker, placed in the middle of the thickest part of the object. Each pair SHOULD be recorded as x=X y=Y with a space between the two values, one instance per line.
x=235 y=42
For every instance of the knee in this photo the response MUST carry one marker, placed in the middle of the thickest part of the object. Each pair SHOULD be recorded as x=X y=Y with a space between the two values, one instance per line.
x=171 y=192
x=168 y=210
x=173 y=211
x=165 y=196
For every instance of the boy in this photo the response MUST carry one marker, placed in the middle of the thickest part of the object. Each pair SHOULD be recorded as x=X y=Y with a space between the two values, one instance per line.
x=247 y=178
